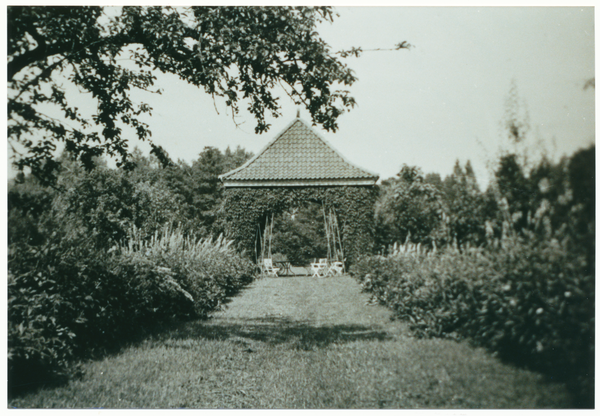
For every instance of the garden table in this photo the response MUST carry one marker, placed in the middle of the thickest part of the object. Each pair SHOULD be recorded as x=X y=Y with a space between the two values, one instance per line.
x=286 y=267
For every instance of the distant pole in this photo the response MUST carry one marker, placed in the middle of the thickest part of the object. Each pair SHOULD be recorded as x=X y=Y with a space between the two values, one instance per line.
x=271 y=236
x=327 y=233
x=298 y=113
x=257 y=237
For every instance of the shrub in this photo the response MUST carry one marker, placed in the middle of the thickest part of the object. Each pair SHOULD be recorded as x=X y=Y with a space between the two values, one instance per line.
x=532 y=302
x=71 y=289
x=67 y=299
x=210 y=270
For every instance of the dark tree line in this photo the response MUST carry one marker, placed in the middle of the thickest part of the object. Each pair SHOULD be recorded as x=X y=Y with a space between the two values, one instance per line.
x=103 y=204
x=550 y=200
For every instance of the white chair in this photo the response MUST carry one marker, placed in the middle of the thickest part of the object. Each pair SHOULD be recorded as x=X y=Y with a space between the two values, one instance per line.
x=268 y=267
x=318 y=267
x=336 y=268
x=315 y=269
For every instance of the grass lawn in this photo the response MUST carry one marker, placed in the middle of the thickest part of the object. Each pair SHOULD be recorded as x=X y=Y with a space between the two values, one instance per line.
x=299 y=342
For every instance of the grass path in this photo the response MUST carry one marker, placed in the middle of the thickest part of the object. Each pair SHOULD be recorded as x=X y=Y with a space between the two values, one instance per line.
x=300 y=342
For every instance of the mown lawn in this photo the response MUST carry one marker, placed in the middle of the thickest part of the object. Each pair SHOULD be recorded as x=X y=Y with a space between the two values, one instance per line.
x=299 y=342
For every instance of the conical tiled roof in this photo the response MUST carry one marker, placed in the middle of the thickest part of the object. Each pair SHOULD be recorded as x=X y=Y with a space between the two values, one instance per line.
x=298 y=156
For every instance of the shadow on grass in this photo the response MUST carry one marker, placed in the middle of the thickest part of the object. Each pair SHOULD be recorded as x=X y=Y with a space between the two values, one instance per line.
x=302 y=335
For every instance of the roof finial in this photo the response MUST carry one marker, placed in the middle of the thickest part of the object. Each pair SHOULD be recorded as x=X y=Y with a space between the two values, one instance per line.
x=298 y=114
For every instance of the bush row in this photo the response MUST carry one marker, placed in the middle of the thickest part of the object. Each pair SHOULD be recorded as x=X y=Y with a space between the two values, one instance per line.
x=68 y=299
x=530 y=302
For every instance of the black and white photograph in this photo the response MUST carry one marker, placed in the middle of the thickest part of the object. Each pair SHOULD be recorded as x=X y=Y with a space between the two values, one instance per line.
x=300 y=206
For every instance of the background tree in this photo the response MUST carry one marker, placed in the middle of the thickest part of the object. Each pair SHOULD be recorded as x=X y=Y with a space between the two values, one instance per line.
x=237 y=54
x=408 y=207
x=299 y=234
x=465 y=205
x=434 y=179
x=582 y=170
x=102 y=204
x=513 y=190
x=508 y=204
x=28 y=204
x=204 y=180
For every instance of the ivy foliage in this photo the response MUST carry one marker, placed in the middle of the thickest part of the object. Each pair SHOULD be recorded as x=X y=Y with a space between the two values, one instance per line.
x=244 y=210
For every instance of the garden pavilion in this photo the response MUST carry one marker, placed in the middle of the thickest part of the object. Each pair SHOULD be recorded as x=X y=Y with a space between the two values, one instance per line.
x=299 y=166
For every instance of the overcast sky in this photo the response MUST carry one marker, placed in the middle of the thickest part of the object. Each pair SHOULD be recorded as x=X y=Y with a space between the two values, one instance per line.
x=440 y=101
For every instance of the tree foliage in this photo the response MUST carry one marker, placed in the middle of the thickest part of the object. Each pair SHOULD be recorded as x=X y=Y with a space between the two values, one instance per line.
x=103 y=204
x=204 y=179
x=410 y=208
x=238 y=54
x=299 y=234
x=465 y=205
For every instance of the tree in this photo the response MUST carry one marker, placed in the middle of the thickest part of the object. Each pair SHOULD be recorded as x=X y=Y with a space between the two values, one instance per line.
x=28 y=204
x=408 y=207
x=299 y=234
x=434 y=179
x=465 y=205
x=237 y=54
x=514 y=189
x=197 y=187
x=207 y=189
x=582 y=217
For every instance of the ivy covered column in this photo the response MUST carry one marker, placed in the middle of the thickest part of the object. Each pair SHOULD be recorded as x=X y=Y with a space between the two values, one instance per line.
x=355 y=208
x=244 y=210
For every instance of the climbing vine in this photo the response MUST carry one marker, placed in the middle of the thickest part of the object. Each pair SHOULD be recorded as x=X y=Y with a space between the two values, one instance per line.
x=245 y=209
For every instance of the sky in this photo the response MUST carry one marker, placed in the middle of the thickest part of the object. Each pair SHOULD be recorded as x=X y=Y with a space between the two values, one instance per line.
x=441 y=101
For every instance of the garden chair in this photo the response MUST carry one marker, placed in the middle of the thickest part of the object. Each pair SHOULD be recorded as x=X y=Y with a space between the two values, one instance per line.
x=268 y=267
x=317 y=267
x=336 y=268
